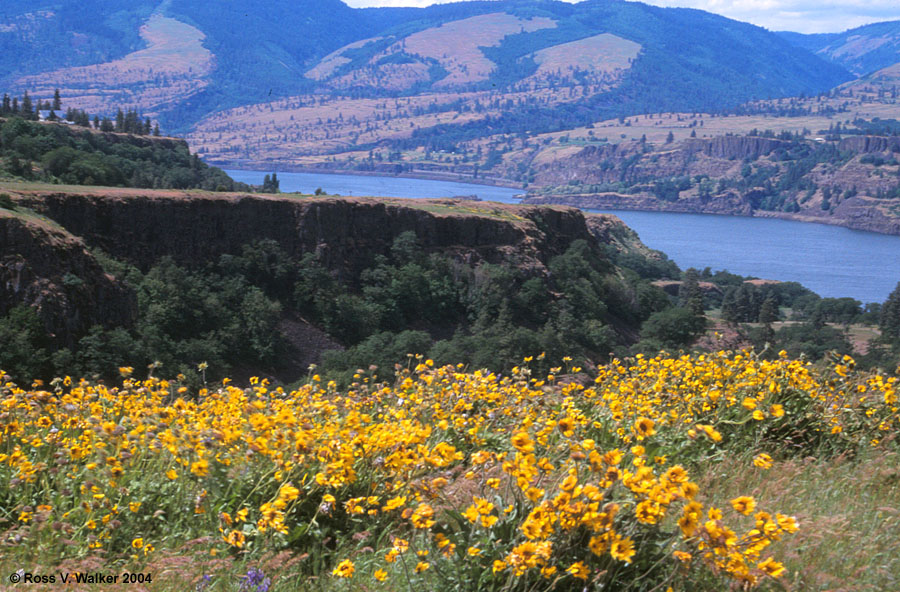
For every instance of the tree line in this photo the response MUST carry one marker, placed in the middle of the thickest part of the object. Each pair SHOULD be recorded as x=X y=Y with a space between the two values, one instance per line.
x=127 y=122
x=32 y=151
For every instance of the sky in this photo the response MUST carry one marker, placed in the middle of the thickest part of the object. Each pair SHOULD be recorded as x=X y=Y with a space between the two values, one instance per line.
x=802 y=16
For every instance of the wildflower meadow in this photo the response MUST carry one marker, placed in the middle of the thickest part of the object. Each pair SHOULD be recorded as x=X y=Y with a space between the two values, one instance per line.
x=654 y=473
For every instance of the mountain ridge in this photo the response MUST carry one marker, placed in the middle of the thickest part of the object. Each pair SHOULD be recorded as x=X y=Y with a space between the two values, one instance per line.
x=861 y=50
x=263 y=53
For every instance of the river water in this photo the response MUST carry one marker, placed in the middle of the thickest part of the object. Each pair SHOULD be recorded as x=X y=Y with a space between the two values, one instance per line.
x=830 y=260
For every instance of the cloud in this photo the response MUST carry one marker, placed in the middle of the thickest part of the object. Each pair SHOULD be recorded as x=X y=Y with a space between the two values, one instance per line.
x=803 y=16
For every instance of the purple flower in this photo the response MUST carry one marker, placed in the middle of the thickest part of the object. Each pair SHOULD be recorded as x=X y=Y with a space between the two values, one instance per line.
x=203 y=583
x=255 y=581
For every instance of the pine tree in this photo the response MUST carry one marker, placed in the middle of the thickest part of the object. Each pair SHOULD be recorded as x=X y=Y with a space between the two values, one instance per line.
x=57 y=100
x=768 y=312
x=27 y=109
x=729 y=306
x=689 y=294
x=890 y=317
x=270 y=184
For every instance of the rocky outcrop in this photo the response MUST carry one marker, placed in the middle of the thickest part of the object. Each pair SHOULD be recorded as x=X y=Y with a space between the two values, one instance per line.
x=869 y=144
x=639 y=162
x=831 y=183
x=734 y=147
x=346 y=233
x=50 y=270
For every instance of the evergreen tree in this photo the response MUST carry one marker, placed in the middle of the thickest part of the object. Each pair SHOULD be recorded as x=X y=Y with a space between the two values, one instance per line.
x=768 y=312
x=120 y=121
x=729 y=306
x=890 y=317
x=57 y=100
x=270 y=184
x=27 y=109
x=817 y=319
x=689 y=294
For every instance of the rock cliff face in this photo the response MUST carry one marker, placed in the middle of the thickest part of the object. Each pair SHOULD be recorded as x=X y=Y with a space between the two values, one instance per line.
x=346 y=233
x=51 y=270
x=637 y=162
x=870 y=144
x=45 y=261
x=734 y=147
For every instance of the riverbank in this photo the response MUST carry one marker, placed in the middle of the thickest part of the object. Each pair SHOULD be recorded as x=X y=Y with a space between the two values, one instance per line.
x=857 y=213
x=412 y=174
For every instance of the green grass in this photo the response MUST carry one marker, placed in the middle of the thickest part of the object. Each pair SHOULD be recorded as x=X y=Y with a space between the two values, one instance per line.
x=848 y=509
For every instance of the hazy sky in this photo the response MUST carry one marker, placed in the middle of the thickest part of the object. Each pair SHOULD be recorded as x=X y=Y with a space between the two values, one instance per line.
x=803 y=16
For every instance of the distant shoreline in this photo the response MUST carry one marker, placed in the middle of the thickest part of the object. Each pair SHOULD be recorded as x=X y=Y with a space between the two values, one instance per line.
x=417 y=174
x=860 y=223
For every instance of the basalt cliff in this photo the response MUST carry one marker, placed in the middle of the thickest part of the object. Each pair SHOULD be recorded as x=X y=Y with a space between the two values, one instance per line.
x=52 y=238
x=852 y=182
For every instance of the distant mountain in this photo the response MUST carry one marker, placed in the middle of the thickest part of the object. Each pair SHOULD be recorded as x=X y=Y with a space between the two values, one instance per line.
x=43 y=35
x=489 y=44
x=862 y=50
x=181 y=60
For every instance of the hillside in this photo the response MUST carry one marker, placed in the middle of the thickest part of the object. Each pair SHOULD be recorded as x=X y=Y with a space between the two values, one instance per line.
x=862 y=50
x=43 y=36
x=851 y=182
x=531 y=68
x=174 y=67
x=56 y=152
x=182 y=61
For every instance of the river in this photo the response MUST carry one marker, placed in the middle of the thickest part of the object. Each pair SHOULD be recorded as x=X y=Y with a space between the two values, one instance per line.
x=830 y=260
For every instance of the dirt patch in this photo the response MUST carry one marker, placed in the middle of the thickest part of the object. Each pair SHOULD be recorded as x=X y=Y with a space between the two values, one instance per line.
x=336 y=59
x=600 y=54
x=456 y=45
